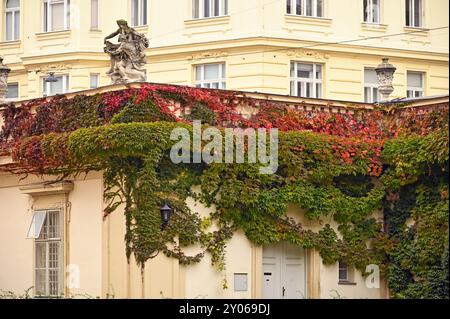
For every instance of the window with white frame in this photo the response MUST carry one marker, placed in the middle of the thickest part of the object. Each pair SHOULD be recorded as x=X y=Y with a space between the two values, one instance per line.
x=138 y=12
x=13 y=92
x=209 y=8
x=210 y=76
x=47 y=231
x=371 y=94
x=308 y=8
x=306 y=79
x=94 y=14
x=415 y=84
x=94 y=80
x=372 y=11
x=56 y=15
x=414 y=13
x=343 y=272
x=12 y=20
x=61 y=86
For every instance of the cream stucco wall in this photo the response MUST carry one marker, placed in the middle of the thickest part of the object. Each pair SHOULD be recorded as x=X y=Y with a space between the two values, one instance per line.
x=83 y=242
x=257 y=41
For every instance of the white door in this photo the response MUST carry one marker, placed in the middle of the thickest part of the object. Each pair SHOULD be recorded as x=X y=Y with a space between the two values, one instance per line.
x=284 y=272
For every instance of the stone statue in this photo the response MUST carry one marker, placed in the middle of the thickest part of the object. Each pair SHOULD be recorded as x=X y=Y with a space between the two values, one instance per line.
x=4 y=72
x=128 y=56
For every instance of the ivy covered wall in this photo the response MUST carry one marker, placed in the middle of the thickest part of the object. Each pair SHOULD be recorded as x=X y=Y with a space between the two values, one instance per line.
x=341 y=165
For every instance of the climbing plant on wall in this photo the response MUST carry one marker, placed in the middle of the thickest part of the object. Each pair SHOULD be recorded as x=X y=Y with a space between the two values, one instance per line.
x=340 y=166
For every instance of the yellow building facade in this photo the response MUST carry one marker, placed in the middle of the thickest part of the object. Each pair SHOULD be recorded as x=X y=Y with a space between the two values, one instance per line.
x=314 y=48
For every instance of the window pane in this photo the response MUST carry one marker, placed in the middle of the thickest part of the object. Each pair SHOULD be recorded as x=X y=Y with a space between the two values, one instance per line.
x=305 y=71
x=225 y=4
x=309 y=7
x=309 y=92
x=318 y=90
x=366 y=9
x=217 y=8
x=224 y=72
x=94 y=81
x=195 y=8
x=94 y=14
x=40 y=282
x=198 y=73
x=370 y=76
x=292 y=87
x=415 y=79
x=375 y=95
x=53 y=225
x=211 y=71
x=12 y=4
x=206 y=8
x=298 y=7
x=144 y=12
x=417 y=13
x=408 y=12
x=37 y=222
x=409 y=94
x=376 y=11
x=53 y=282
x=320 y=8
x=41 y=255
x=57 y=16
x=9 y=26
x=367 y=97
x=299 y=89
x=318 y=71
x=16 y=25
x=342 y=274
x=288 y=6
x=134 y=12
x=13 y=91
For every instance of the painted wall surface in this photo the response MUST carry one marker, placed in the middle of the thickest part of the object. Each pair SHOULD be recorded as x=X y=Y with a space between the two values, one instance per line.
x=257 y=41
x=84 y=235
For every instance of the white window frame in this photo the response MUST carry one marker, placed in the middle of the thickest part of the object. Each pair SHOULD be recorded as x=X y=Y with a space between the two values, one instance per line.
x=342 y=266
x=65 y=85
x=59 y=240
x=412 y=11
x=295 y=80
x=47 y=14
x=141 y=19
x=414 y=91
x=13 y=12
x=372 y=90
x=369 y=9
x=18 y=92
x=95 y=14
x=303 y=11
x=198 y=9
x=220 y=81
x=97 y=80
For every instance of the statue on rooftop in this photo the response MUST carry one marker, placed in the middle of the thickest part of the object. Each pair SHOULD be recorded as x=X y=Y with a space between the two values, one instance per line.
x=128 y=56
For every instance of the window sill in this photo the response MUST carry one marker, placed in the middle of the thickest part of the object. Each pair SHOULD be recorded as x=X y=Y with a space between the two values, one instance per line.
x=347 y=283
x=95 y=30
x=318 y=21
x=210 y=21
x=378 y=27
x=417 y=31
x=10 y=44
x=42 y=36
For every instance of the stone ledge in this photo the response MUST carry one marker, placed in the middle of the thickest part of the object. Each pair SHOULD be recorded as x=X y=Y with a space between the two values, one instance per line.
x=48 y=189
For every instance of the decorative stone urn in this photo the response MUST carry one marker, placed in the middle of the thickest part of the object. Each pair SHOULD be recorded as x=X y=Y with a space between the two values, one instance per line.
x=4 y=72
x=385 y=72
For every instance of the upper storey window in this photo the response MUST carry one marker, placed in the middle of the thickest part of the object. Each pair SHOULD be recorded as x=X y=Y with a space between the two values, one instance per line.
x=414 y=13
x=138 y=12
x=209 y=8
x=12 y=20
x=372 y=11
x=56 y=15
x=308 y=8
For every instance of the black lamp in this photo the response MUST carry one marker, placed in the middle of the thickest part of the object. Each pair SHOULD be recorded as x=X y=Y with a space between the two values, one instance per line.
x=51 y=78
x=166 y=211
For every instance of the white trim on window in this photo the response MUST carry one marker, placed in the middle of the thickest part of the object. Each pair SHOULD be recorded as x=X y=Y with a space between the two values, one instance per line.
x=218 y=81
x=415 y=84
x=48 y=15
x=12 y=29
x=9 y=96
x=310 y=86
x=48 y=90
x=414 y=12
x=209 y=8
x=138 y=13
x=94 y=80
x=372 y=11
x=49 y=256
x=94 y=14
x=307 y=8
